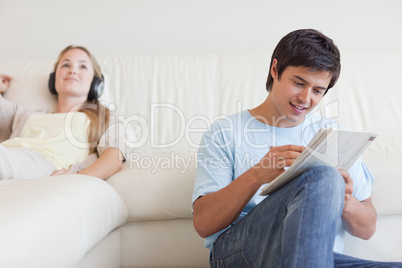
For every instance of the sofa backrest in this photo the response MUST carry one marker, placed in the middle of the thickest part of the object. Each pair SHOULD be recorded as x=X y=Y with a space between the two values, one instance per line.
x=178 y=95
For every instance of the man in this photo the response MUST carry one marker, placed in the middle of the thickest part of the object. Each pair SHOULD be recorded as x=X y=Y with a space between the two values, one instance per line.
x=302 y=224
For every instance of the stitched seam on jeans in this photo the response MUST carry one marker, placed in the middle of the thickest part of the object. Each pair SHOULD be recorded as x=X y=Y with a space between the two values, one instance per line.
x=243 y=253
x=301 y=218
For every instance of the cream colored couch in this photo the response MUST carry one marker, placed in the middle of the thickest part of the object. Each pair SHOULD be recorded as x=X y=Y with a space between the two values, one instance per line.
x=170 y=100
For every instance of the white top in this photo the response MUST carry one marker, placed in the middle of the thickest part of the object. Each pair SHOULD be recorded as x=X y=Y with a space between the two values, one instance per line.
x=61 y=138
x=16 y=121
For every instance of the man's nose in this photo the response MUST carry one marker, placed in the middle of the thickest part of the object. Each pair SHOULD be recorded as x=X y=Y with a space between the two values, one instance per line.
x=304 y=95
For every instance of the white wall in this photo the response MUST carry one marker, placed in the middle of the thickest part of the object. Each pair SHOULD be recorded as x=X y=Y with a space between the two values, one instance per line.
x=40 y=29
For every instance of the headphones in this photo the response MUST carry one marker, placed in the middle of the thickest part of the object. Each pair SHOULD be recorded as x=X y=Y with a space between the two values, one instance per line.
x=94 y=93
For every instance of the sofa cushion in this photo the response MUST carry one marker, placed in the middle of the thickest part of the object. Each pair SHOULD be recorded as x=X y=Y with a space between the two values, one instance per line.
x=55 y=221
x=159 y=187
x=156 y=187
x=383 y=160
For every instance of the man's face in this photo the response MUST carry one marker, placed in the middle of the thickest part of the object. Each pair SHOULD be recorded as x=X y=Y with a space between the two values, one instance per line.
x=296 y=93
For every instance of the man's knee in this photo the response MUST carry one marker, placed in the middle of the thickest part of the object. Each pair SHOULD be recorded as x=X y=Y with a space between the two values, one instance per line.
x=327 y=176
x=328 y=182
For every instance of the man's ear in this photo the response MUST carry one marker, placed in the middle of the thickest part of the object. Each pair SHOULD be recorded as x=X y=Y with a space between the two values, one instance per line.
x=274 y=69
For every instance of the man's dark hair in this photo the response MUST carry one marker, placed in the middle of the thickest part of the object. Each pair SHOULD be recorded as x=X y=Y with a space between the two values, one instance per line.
x=307 y=48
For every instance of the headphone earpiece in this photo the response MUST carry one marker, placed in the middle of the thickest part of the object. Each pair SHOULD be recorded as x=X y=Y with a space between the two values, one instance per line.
x=51 y=83
x=97 y=86
x=96 y=90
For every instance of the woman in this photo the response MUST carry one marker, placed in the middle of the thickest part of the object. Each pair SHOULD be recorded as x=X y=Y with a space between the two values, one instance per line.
x=43 y=144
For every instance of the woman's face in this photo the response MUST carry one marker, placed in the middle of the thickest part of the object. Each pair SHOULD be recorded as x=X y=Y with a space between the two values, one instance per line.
x=74 y=74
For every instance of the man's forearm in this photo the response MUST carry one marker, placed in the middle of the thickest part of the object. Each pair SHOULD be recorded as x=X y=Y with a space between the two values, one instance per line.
x=359 y=218
x=216 y=211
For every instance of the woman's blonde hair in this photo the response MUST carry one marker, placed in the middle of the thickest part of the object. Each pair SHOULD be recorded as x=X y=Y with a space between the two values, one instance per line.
x=96 y=112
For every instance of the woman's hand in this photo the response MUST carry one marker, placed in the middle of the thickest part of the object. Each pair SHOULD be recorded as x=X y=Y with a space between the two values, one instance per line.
x=4 y=82
x=62 y=171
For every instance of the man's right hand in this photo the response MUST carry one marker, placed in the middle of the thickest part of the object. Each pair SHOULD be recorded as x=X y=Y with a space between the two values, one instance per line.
x=274 y=162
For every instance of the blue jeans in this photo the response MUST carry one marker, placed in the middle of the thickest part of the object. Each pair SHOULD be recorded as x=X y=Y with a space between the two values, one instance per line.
x=295 y=226
x=344 y=261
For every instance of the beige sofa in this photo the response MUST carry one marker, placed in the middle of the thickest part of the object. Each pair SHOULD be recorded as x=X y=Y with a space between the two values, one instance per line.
x=145 y=218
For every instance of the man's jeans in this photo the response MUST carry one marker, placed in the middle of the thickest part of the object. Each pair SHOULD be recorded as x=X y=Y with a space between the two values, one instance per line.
x=293 y=227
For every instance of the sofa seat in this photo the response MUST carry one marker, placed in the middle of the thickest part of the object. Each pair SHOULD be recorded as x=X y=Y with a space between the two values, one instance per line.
x=55 y=221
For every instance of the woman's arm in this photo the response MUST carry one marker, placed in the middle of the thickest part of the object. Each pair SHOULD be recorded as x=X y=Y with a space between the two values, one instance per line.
x=105 y=166
x=112 y=152
x=109 y=163
x=12 y=116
